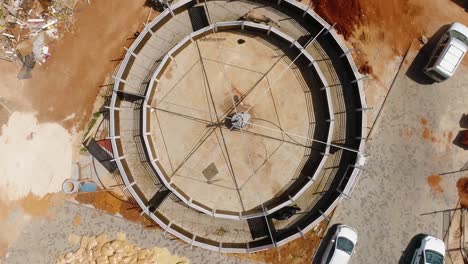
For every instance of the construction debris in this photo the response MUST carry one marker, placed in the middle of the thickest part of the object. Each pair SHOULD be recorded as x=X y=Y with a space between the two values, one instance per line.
x=28 y=26
x=423 y=40
x=100 y=250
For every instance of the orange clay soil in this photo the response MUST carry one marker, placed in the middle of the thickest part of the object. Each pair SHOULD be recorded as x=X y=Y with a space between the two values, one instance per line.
x=346 y=14
x=65 y=88
x=434 y=183
x=462 y=186
x=112 y=204
x=380 y=30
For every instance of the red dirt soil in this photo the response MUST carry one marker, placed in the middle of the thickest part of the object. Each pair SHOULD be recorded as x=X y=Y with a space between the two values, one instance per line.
x=426 y=134
x=346 y=14
x=380 y=30
x=109 y=203
x=434 y=183
x=462 y=186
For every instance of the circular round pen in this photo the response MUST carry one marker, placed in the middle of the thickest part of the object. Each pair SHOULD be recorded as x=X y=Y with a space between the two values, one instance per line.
x=220 y=127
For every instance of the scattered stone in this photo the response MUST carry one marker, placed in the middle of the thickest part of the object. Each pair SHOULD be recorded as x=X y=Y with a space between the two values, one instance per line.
x=100 y=250
x=423 y=40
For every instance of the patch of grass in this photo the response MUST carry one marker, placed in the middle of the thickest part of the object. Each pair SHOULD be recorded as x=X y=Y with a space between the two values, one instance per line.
x=92 y=122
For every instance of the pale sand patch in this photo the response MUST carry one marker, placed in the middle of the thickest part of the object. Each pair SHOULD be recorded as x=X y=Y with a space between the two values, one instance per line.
x=34 y=157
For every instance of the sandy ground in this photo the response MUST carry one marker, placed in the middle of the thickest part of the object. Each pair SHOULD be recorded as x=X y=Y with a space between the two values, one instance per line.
x=57 y=102
x=253 y=159
x=44 y=147
x=41 y=119
x=64 y=89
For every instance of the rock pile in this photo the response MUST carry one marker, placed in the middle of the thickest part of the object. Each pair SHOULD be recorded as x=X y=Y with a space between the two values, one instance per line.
x=100 y=250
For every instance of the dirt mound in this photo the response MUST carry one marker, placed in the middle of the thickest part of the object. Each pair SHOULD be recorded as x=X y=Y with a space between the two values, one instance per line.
x=462 y=186
x=346 y=14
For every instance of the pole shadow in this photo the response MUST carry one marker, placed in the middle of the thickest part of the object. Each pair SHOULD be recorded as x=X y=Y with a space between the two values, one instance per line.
x=416 y=70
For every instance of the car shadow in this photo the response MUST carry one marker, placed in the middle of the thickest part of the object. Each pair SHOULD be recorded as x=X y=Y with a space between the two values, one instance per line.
x=464 y=121
x=416 y=70
x=457 y=141
x=413 y=245
x=462 y=3
x=323 y=245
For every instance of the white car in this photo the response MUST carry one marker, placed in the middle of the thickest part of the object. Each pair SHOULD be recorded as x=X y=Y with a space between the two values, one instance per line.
x=431 y=251
x=448 y=53
x=341 y=246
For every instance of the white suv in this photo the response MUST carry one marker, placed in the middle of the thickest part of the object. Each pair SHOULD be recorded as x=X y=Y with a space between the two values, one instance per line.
x=341 y=246
x=448 y=54
x=431 y=251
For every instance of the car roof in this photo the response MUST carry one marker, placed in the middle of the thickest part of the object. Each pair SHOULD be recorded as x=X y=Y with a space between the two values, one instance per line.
x=434 y=244
x=451 y=58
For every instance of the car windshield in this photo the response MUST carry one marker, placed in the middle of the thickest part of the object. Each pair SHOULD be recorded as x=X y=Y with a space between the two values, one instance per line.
x=433 y=257
x=345 y=245
x=458 y=35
